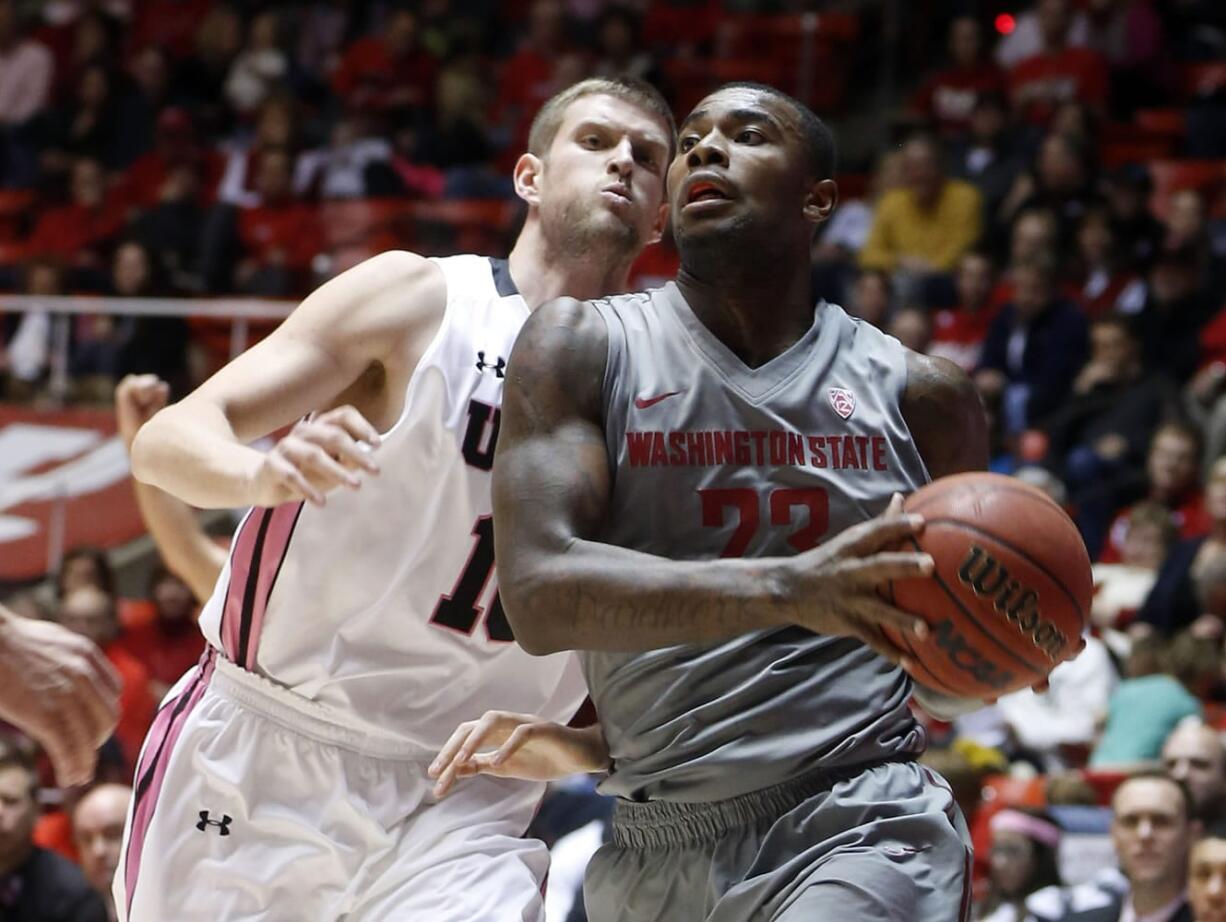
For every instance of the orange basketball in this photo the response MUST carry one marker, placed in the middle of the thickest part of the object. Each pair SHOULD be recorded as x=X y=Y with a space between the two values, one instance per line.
x=1011 y=591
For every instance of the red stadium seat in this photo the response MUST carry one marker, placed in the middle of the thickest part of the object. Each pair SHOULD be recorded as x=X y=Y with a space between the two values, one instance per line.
x=1104 y=782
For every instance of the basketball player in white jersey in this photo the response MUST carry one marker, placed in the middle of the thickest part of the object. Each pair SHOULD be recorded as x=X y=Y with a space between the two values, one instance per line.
x=356 y=621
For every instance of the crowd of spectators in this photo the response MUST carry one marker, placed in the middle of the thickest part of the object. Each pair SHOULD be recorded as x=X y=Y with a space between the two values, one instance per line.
x=1051 y=217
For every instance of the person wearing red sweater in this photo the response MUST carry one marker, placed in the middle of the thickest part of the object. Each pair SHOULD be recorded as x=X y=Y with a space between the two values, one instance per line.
x=78 y=232
x=948 y=96
x=389 y=71
x=1039 y=83
x=958 y=332
x=1173 y=470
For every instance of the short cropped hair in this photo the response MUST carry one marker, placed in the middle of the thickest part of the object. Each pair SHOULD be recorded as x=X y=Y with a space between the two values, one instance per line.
x=12 y=756
x=1185 y=795
x=819 y=139
x=637 y=92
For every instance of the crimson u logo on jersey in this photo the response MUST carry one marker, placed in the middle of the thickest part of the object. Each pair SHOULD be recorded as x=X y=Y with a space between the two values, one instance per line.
x=481 y=436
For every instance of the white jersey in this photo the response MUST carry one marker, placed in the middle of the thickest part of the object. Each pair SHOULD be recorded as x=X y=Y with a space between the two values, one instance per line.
x=383 y=606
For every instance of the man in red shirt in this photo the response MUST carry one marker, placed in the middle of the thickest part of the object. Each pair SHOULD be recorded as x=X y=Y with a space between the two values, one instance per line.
x=1173 y=469
x=948 y=96
x=78 y=232
x=280 y=236
x=165 y=640
x=1058 y=73
x=389 y=71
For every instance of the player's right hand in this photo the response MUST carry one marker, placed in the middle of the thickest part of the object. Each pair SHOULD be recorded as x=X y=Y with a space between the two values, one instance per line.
x=58 y=688
x=317 y=456
x=841 y=578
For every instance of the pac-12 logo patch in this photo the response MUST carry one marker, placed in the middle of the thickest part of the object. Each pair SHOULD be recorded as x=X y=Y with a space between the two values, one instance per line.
x=843 y=401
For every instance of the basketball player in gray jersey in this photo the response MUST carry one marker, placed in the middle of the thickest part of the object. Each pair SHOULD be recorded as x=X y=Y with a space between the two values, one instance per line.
x=693 y=488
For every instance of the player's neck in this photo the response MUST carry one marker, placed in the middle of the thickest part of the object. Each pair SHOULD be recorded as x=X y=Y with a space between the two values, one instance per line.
x=542 y=275
x=758 y=315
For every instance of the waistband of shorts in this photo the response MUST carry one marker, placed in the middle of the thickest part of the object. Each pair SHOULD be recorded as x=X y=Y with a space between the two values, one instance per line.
x=663 y=823
x=308 y=718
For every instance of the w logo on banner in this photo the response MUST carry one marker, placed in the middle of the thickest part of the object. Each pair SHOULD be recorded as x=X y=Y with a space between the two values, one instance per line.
x=843 y=401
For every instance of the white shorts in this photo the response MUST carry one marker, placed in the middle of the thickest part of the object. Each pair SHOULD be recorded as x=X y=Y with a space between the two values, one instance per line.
x=250 y=806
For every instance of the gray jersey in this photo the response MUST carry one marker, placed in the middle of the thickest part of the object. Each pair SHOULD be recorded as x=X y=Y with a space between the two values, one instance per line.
x=712 y=458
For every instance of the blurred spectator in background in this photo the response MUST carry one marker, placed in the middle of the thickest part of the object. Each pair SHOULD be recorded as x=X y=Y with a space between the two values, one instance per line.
x=156 y=345
x=167 y=641
x=342 y=169
x=1058 y=727
x=1207 y=879
x=1026 y=39
x=28 y=352
x=90 y=612
x=1099 y=436
x=912 y=327
x=947 y=98
x=926 y=225
x=1194 y=754
x=1175 y=311
x=1159 y=690
x=1173 y=603
x=1172 y=480
x=842 y=237
x=260 y=68
x=82 y=567
x=91 y=123
x=529 y=76
x=388 y=73
x=201 y=76
x=989 y=155
x=1152 y=830
x=80 y=232
x=958 y=332
x=27 y=70
x=35 y=885
x=276 y=130
x=1121 y=587
x=1025 y=843
x=619 y=47
x=97 y=826
x=1034 y=348
x=1058 y=71
x=1107 y=283
x=871 y=297
x=1127 y=190
x=1062 y=183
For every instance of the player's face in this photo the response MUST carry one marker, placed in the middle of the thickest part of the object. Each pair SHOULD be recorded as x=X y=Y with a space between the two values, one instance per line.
x=602 y=182
x=1207 y=880
x=741 y=166
x=1150 y=831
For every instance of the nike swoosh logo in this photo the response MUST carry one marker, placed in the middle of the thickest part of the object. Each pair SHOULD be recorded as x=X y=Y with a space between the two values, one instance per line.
x=644 y=402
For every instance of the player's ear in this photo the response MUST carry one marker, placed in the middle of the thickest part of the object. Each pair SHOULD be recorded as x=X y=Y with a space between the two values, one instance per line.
x=819 y=203
x=657 y=226
x=527 y=176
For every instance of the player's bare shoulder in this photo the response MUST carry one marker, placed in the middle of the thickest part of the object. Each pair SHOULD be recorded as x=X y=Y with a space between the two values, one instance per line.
x=559 y=360
x=945 y=415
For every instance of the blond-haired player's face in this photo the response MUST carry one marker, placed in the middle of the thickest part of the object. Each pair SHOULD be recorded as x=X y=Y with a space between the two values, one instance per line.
x=602 y=179
x=1207 y=880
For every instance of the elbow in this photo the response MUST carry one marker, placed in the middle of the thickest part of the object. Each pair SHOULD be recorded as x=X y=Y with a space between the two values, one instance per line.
x=530 y=615
x=142 y=453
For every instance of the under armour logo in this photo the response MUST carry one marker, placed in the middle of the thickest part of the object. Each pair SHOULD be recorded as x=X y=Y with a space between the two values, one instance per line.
x=223 y=825
x=499 y=368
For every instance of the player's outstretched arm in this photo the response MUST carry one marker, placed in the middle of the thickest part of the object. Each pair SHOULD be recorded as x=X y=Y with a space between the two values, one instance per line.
x=182 y=543
x=58 y=688
x=522 y=746
x=563 y=589
x=371 y=322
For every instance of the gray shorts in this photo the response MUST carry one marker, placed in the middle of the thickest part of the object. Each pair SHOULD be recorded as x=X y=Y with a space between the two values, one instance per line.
x=887 y=844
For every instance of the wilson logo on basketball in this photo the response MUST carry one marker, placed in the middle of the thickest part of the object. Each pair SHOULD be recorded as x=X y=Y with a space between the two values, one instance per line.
x=988 y=579
x=843 y=401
